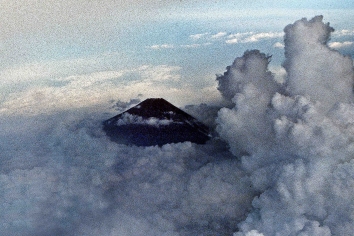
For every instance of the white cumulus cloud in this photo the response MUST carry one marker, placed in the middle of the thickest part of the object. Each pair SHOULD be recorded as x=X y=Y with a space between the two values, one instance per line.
x=295 y=139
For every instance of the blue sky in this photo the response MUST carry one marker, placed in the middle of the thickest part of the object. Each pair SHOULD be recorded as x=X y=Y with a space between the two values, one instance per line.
x=53 y=50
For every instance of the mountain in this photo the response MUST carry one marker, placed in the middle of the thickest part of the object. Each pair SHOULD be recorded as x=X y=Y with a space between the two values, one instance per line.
x=155 y=122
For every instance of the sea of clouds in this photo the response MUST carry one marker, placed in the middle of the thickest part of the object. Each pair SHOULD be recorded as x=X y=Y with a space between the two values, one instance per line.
x=282 y=163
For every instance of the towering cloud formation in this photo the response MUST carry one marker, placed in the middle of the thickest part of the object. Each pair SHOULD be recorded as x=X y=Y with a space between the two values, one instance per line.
x=250 y=85
x=297 y=139
x=315 y=70
x=252 y=68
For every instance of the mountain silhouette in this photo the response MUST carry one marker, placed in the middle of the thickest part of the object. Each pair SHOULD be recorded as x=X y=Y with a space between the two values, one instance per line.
x=155 y=122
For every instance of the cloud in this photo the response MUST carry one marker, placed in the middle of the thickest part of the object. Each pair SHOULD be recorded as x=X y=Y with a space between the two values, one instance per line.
x=63 y=167
x=219 y=35
x=317 y=77
x=162 y=46
x=134 y=119
x=198 y=36
x=338 y=45
x=278 y=45
x=279 y=74
x=49 y=86
x=245 y=37
x=232 y=41
x=195 y=45
x=261 y=36
x=294 y=139
x=204 y=113
x=249 y=84
x=160 y=73
x=251 y=37
x=170 y=46
x=121 y=106
x=343 y=32
x=253 y=66
x=286 y=167
x=26 y=72
x=50 y=92
x=30 y=72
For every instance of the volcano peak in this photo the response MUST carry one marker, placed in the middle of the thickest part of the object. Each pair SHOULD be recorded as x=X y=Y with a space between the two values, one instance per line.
x=155 y=121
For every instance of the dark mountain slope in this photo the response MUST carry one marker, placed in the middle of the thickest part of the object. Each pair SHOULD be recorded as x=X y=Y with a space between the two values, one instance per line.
x=155 y=122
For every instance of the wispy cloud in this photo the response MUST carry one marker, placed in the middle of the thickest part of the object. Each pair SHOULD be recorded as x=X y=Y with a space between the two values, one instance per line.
x=337 y=45
x=195 y=45
x=219 y=35
x=232 y=41
x=170 y=46
x=207 y=38
x=343 y=32
x=260 y=36
x=31 y=72
x=237 y=37
x=158 y=73
x=198 y=36
x=251 y=37
x=161 y=46
x=245 y=37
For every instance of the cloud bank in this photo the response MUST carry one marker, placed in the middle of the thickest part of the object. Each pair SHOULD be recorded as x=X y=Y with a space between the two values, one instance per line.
x=45 y=88
x=284 y=164
x=60 y=175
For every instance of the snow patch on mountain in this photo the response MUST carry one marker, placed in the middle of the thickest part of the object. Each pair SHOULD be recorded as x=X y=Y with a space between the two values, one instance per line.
x=130 y=119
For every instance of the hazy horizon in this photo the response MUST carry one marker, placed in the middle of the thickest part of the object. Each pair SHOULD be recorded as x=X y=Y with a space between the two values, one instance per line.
x=81 y=54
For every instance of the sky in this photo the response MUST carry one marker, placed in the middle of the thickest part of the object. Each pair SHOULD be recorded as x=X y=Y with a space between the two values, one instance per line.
x=55 y=48
x=274 y=82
